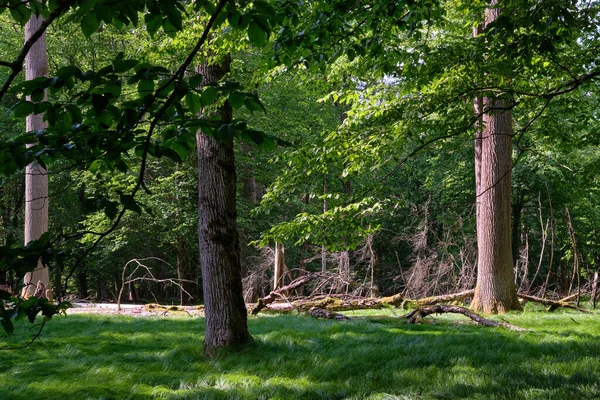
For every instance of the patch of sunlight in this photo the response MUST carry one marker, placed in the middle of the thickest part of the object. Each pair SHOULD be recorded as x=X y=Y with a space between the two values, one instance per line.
x=299 y=383
x=142 y=389
x=245 y=380
x=161 y=391
x=386 y=396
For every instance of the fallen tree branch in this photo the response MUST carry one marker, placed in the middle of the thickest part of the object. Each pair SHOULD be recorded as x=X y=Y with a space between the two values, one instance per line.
x=274 y=295
x=420 y=313
x=553 y=304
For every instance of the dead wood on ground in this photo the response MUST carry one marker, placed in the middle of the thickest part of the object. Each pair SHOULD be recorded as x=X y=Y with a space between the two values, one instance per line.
x=420 y=313
x=344 y=302
x=322 y=313
x=553 y=304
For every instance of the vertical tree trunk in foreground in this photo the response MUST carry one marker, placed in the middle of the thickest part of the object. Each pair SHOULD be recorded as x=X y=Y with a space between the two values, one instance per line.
x=225 y=310
x=36 y=177
x=495 y=291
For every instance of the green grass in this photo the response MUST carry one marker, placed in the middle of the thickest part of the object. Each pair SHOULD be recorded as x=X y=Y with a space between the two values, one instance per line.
x=374 y=357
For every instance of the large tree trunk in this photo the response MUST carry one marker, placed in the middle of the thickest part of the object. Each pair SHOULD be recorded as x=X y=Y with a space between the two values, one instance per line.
x=225 y=310
x=495 y=291
x=36 y=177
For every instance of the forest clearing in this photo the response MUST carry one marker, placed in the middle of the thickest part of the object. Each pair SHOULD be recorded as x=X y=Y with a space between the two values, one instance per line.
x=374 y=355
x=299 y=199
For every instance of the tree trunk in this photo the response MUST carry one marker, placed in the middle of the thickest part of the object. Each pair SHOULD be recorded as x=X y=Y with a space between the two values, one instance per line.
x=225 y=310
x=280 y=267
x=36 y=177
x=495 y=291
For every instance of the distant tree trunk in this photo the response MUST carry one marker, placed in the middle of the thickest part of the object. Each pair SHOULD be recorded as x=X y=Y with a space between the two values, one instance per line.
x=187 y=272
x=323 y=247
x=250 y=187
x=495 y=291
x=82 y=286
x=224 y=307
x=36 y=177
x=280 y=267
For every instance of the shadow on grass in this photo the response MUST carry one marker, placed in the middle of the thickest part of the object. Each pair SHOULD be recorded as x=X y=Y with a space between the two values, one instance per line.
x=298 y=357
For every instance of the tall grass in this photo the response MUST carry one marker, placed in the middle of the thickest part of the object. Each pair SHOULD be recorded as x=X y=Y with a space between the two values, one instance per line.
x=297 y=357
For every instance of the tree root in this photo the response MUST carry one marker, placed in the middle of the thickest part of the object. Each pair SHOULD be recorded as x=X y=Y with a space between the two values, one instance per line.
x=420 y=313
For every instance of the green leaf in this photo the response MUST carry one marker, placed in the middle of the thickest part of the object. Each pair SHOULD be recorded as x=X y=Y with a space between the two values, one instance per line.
x=235 y=18
x=145 y=87
x=111 y=209
x=89 y=24
x=4 y=295
x=23 y=109
x=196 y=80
x=8 y=326
x=209 y=95
x=174 y=16
x=193 y=102
x=236 y=99
x=21 y=14
x=153 y=23
x=124 y=65
x=37 y=95
x=253 y=104
x=129 y=203
x=256 y=34
x=113 y=88
x=67 y=72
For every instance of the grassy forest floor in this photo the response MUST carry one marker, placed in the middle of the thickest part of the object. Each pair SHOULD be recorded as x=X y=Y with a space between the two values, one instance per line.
x=375 y=355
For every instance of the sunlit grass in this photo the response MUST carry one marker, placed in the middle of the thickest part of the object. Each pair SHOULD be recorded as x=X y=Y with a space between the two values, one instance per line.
x=376 y=355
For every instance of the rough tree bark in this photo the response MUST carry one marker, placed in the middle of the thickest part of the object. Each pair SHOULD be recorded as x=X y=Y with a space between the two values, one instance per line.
x=225 y=310
x=495 y=291
x=36 y=177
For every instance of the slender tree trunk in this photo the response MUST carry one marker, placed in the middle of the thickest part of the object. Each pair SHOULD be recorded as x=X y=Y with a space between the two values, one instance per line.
x=36 y=177
x=224 y=307
x=495 y=291
x=323 y=247
x=280 y=267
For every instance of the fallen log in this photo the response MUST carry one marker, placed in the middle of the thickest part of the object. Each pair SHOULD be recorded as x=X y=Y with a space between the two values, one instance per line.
x=330 y=303
x=553 y=304
x=446 y=298
x=280 y=293
x=420 y=313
